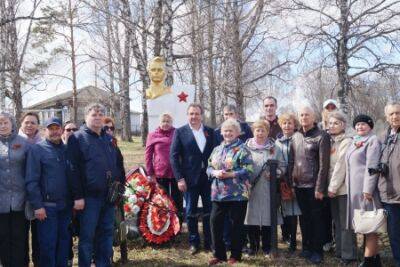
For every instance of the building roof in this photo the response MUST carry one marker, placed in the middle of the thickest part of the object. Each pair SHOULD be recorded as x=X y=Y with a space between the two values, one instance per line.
x=89 y=92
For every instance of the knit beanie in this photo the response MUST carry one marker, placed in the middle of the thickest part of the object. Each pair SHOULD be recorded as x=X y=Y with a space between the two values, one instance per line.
x=363 y=118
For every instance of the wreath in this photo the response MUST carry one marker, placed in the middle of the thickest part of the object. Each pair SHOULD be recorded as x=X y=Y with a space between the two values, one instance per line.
x=150 y=209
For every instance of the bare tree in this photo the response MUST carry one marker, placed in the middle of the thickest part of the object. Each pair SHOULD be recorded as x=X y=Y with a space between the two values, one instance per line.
x=13 y=51
x=350 y=35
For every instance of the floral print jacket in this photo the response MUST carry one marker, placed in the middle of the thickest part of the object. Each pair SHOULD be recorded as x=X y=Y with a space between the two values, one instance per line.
x=231 y=157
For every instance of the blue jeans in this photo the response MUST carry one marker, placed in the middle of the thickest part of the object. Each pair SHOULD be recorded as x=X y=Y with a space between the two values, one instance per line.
x=96 y=232
x=393 y=212
x=54 y=237
x=203 y=189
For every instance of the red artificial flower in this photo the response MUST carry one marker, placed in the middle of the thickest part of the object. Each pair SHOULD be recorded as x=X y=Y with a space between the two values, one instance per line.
x=127 y=208
x=359 y=144
x=206 y=134
x=16 y=146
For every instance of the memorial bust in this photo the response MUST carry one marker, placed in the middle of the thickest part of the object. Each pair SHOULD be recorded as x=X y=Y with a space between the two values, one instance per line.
x=156 y=70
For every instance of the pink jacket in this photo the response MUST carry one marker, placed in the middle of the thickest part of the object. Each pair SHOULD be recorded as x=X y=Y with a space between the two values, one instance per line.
x=157 y=153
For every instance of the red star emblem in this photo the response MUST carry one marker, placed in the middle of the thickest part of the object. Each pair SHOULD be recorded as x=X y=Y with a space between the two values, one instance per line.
x=182 y=97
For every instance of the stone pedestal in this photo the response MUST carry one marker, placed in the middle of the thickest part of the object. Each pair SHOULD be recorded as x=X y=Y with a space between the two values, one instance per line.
x=175 y=103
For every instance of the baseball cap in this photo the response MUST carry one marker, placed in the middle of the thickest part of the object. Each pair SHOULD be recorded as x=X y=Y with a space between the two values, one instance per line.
x=53 y=121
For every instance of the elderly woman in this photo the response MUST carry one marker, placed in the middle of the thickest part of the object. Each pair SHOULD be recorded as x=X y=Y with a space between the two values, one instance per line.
x=362 y=155
x=229 y=168
x=346 y=246
x=258 y=216
x=157 y=160
x=290 y=207
x=13 y=150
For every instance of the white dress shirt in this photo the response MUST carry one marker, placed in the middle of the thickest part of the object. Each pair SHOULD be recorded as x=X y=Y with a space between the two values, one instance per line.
x=199 y=137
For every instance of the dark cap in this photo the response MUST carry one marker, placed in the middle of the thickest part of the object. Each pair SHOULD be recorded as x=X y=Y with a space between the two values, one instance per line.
x=53 y=121
x=363 y=118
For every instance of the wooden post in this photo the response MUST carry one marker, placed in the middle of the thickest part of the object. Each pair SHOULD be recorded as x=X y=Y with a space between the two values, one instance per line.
x=273 y=165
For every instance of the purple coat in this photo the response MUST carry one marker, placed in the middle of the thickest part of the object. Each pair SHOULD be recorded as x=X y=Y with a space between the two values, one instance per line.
x=157 y=153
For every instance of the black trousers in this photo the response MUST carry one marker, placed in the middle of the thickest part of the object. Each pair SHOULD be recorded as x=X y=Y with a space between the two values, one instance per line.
x=31 y=225
x=327 y=216
x=254 y=233
x=12 y=239
x=236 y=211
x=285 y=228
x=171 y=187
x=292 y=230
x=311 y=220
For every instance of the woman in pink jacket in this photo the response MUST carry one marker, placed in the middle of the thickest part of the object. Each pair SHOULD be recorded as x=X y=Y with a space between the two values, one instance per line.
x=157 y=160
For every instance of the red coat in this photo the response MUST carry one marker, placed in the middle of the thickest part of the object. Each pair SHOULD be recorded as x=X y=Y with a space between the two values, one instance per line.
x=157 y=153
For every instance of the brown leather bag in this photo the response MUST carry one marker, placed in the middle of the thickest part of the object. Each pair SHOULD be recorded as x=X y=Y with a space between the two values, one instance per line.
x=286 y=191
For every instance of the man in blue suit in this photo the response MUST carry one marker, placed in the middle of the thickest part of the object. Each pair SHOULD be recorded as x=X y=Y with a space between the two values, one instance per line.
x=191 y=147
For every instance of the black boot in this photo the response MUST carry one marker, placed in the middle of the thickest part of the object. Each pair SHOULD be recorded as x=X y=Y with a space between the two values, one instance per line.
x=367 y=262
x=377 y=261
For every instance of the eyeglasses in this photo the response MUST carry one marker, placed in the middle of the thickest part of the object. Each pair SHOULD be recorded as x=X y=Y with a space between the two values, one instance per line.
x=71 y=130
x=112 y=128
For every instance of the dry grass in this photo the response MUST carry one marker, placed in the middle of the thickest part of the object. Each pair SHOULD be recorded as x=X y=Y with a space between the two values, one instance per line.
x=176 y=253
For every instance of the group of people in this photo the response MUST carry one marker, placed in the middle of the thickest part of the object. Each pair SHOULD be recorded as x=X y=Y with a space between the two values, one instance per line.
x=326 y=171
x=49 y=179
x=324 y=174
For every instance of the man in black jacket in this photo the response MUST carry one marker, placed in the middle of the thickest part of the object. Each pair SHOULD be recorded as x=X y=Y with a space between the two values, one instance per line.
x=191 y=147
x=93 y=165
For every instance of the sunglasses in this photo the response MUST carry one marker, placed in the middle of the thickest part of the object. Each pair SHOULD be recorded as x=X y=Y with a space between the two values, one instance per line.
x=71 y=130
x=112 y=128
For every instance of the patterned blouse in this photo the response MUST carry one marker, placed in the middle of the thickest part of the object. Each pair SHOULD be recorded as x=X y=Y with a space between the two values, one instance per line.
x=231 y=157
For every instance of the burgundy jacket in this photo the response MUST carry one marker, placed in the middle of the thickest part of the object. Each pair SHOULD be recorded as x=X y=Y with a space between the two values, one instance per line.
x=157 y=153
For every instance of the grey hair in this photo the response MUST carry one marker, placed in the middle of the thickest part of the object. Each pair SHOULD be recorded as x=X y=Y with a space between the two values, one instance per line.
x=309 y=108
x=95 y=106
x=11 y=118
x=231 y=123
x=230 y=107
x=165 y=114
x=339 y=116
x=391 y=104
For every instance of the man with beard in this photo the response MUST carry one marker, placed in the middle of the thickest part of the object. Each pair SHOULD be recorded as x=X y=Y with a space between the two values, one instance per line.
x=48 y=193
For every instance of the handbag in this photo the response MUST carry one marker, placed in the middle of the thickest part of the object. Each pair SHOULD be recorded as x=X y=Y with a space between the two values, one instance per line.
x=367 y=222
x=286 y=191
x=29 y=212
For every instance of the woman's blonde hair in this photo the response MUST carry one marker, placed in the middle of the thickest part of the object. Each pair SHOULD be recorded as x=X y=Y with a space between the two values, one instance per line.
x=288 y=117
x=260 y=124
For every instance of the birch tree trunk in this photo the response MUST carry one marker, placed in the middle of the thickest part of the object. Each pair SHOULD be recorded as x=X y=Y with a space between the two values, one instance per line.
x=125 y=99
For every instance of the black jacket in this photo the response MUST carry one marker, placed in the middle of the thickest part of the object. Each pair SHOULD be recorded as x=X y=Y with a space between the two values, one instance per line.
x=93 y=160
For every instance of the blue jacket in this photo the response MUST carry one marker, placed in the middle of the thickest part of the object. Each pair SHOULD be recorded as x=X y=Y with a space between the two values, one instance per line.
x=46 y=175
x=92 y=161
x=13 y=152
x=245 y=133
x=187 y=161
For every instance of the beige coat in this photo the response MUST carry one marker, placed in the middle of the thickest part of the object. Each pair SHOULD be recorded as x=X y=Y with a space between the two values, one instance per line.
x=337 y=170
x=358 y=180
x=389 y=187
x=259 y=205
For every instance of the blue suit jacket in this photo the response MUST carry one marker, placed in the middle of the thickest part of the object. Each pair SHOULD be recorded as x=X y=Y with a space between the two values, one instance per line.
x=186 y=159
